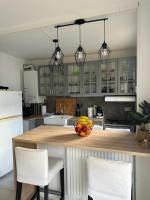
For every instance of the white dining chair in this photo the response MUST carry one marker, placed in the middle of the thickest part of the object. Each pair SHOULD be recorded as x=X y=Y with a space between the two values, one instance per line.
x=36 y=168
x=109 y=179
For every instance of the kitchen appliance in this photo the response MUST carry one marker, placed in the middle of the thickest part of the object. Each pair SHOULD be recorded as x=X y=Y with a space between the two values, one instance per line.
x=118 y=125
x=99 y=112
x=11 y=125
x=90 y=112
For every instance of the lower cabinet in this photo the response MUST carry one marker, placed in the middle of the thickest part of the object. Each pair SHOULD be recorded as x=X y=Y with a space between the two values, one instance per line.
x=29 y=124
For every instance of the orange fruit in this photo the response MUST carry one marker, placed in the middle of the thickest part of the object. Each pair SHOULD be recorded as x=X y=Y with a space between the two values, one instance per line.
x=79 y=125
x=82 y=134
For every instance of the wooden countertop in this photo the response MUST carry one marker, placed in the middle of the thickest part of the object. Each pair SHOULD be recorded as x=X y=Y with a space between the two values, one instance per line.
x=98 y=140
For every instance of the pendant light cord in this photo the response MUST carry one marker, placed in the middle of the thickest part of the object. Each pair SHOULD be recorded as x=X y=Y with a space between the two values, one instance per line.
x=57 y=37
x=79 y=35
x=104 y=30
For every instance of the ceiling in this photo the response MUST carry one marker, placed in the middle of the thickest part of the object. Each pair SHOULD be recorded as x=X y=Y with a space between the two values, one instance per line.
x=27 y=27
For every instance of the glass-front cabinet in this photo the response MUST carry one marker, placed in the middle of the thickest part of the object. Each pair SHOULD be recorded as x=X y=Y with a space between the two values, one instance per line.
x=51 y=83
x=89 y=79
x=126 y=76
x=95 y=78
x=57 y=83
x=44 y=80
x=108 y=76
x=73 y=79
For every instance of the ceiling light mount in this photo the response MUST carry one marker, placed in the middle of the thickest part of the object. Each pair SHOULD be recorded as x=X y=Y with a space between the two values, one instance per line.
x=79 y=21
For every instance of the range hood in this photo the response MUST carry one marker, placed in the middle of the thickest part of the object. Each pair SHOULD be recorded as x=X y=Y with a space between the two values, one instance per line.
x=120 y=99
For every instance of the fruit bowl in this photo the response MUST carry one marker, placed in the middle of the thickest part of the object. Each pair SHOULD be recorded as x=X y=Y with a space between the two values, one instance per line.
x=84 y=126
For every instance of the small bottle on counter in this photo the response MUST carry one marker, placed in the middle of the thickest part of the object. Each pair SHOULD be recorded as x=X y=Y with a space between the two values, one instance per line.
x=78 y=110
x=94 y=110
x=44 y=109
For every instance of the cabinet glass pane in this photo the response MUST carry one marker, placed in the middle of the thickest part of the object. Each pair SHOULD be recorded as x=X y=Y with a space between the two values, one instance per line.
x=58 y=83
x=111 y=88
x=104 y=88
x=73 y=79
x=44 y=80
x=126 y=75
x=108 y=76
x=89 y=78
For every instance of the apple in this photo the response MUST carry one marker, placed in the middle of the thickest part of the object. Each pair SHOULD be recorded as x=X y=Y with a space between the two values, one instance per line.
x=84 y=128
x=77 y=129
x=88 y=131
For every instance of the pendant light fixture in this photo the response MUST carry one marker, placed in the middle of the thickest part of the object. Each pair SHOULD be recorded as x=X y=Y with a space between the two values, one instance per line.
x=58 y=52
x=80 y=53
x=56 y=62
x=104 y=50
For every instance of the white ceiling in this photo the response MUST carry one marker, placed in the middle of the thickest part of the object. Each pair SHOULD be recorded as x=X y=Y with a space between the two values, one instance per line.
x=27 y=27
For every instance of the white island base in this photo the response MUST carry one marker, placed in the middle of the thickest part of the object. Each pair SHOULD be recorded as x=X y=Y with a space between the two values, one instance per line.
x=76 y=168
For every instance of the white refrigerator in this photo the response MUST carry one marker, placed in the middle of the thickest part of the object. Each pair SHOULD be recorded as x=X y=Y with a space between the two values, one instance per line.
x=11 y=125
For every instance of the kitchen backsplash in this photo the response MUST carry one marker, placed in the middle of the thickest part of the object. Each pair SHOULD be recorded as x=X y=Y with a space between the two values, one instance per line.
x=112 y=110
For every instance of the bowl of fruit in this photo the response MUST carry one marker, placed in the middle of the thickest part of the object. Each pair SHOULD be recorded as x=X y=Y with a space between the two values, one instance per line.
x=84 y=126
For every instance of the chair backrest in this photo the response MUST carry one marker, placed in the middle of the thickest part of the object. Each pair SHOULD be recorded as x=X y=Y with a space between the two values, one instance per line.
x=32 y=166
x=109 y=179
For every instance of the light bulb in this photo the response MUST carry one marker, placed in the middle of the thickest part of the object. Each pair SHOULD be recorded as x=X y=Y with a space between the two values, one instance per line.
x=80 y=55
x=58 y=55
x=104 y=52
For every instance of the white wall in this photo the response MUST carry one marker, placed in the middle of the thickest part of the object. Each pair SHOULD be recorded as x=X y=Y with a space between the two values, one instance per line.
x=143 y=91
x=143 y=51
x=11 y=69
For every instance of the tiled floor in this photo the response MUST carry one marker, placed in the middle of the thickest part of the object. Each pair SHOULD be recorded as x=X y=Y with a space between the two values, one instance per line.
x=7 y=188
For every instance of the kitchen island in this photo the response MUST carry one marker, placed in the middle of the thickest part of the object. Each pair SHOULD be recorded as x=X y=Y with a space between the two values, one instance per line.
x=65 y=143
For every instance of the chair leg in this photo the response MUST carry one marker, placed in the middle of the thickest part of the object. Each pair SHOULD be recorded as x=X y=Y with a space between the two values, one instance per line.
x=18 y=190
x=89 y=198
x=38 y=192
x=46 y=192
x=62 y=183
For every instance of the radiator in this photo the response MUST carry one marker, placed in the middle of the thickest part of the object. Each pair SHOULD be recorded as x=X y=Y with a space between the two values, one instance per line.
x=76 y=169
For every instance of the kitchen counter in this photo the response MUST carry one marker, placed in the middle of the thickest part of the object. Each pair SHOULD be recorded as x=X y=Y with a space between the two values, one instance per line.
x=107 y=144
x=98 y=140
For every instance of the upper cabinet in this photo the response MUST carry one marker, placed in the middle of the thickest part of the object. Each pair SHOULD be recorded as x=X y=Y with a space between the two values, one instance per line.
x=57 y=83
x=51 y=83
x=44 y=80
x=108 y=76
x=95 y=78
x=73 y=79
x=126 y=75
x=90 y=79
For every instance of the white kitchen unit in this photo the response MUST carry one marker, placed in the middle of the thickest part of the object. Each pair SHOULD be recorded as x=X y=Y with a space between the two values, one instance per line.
x=31 y=87
x=57 y=119
x=11 y=125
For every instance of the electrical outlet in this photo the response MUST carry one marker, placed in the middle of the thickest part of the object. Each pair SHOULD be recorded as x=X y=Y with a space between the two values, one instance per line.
x=127 y=109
